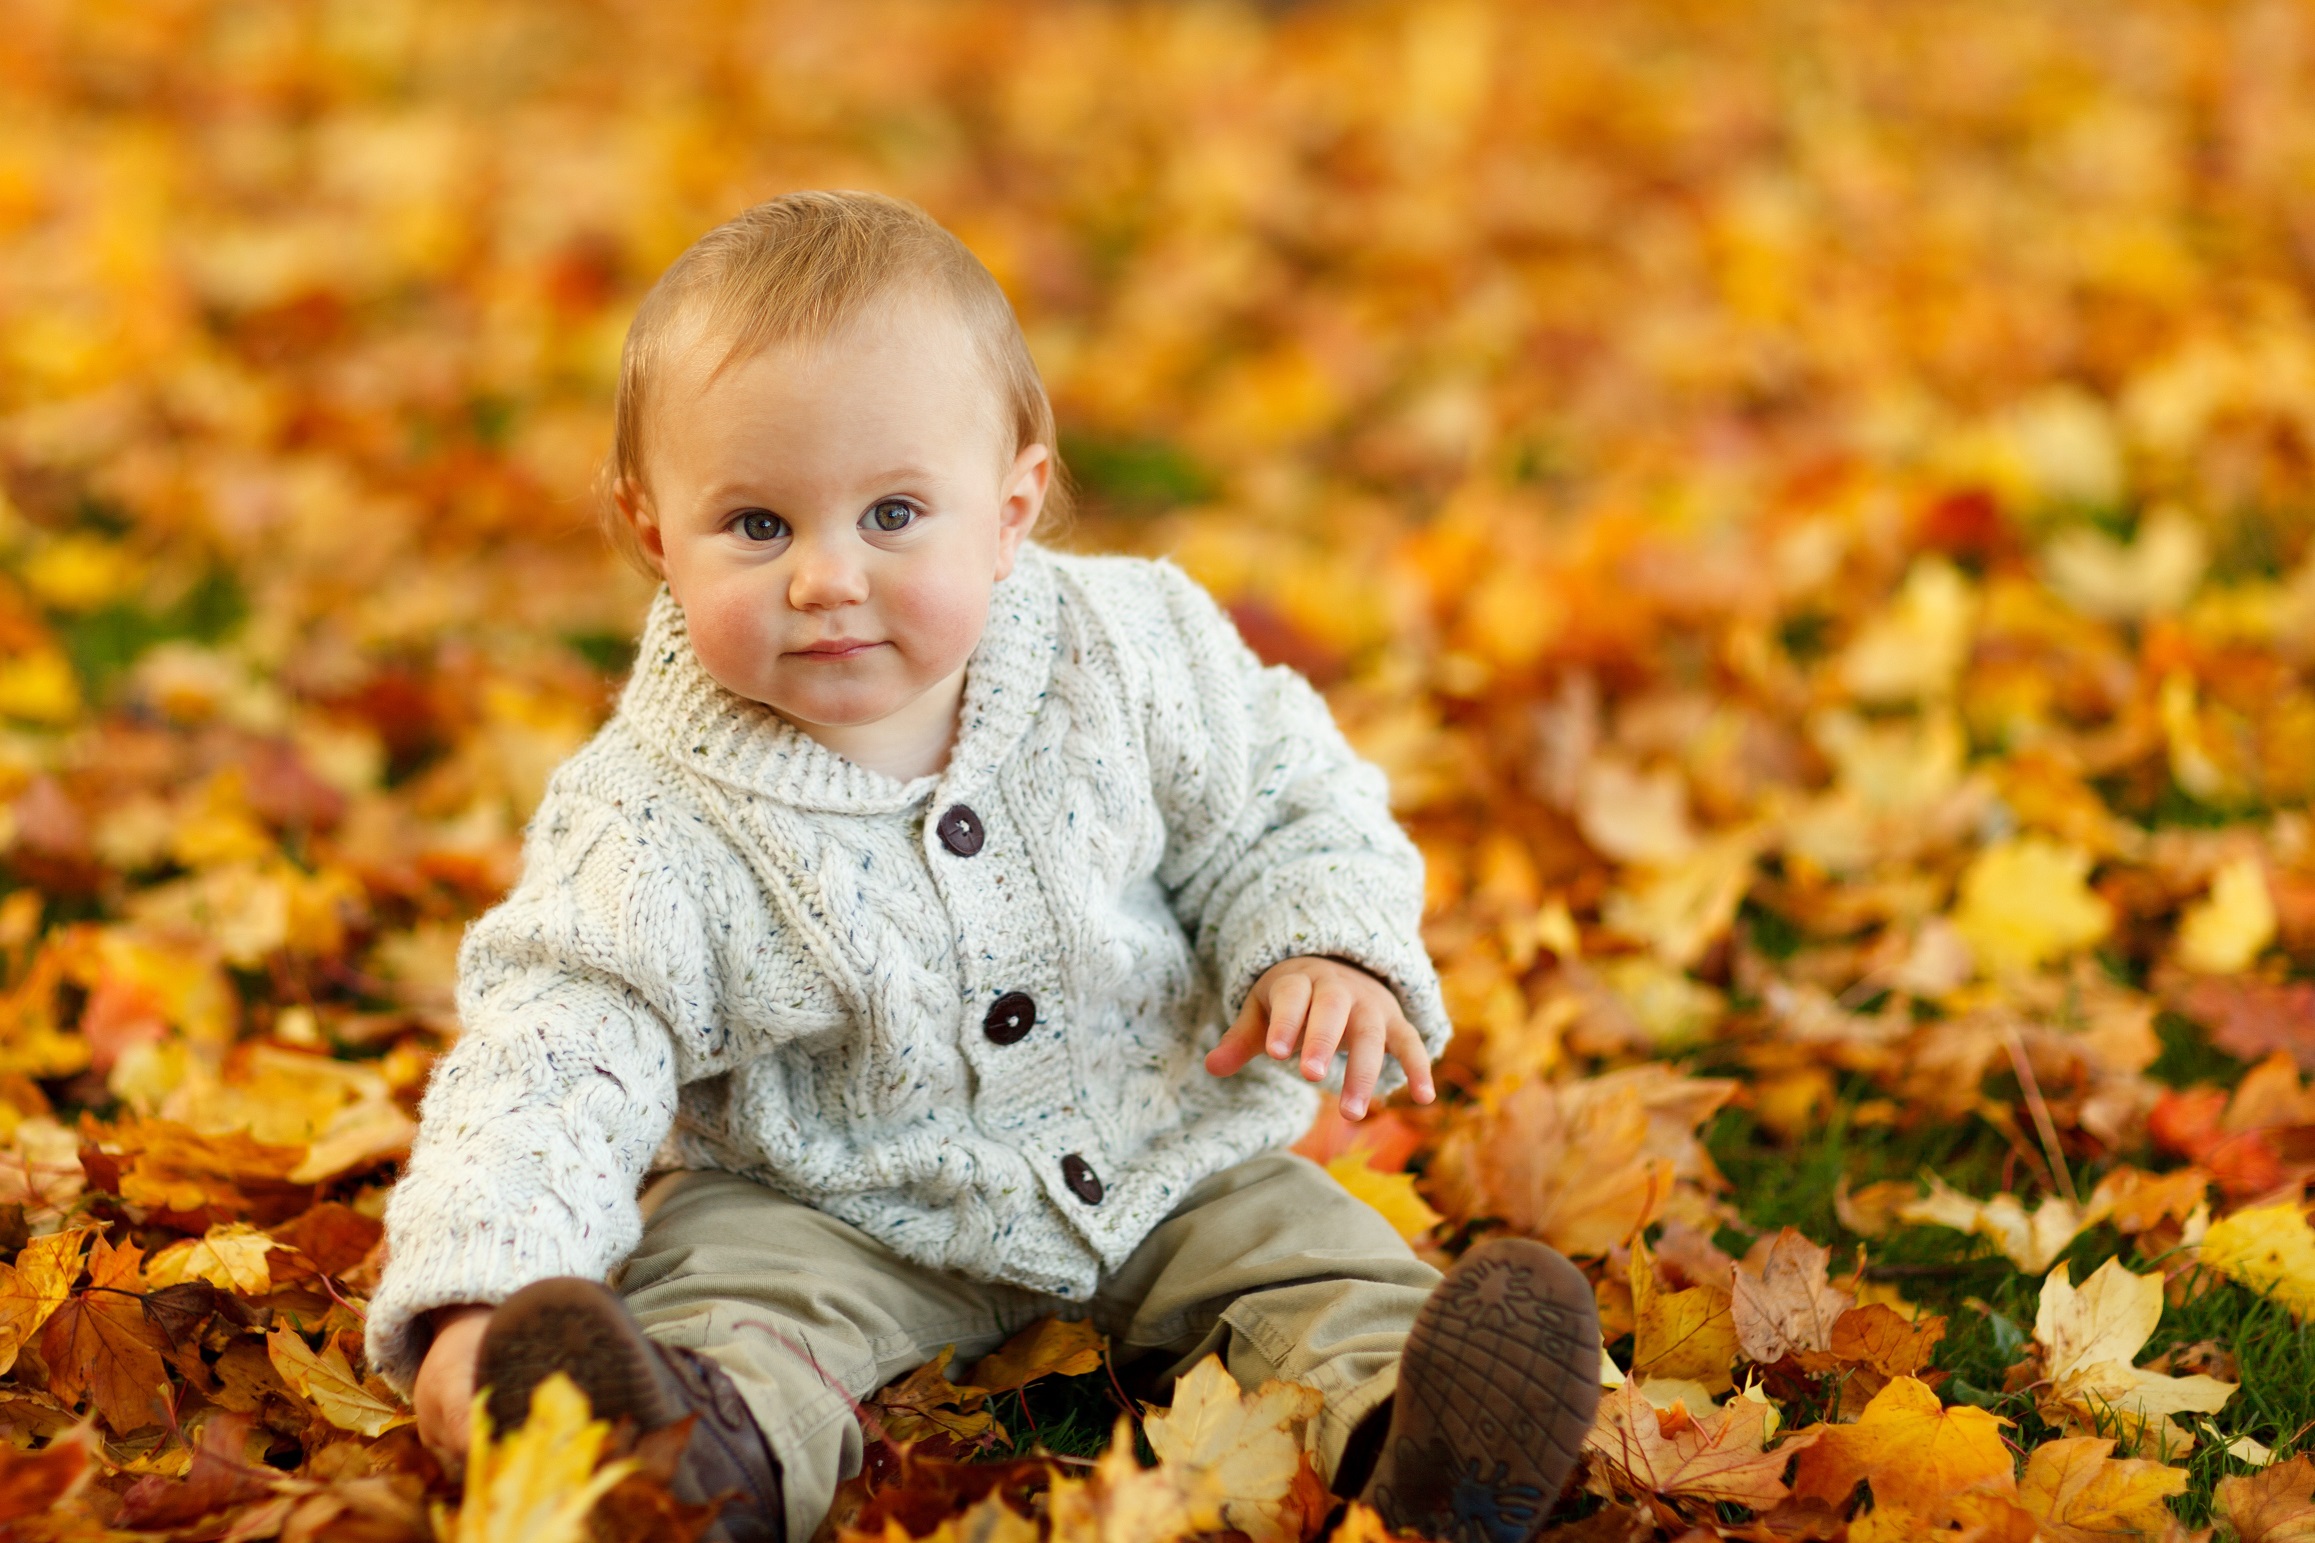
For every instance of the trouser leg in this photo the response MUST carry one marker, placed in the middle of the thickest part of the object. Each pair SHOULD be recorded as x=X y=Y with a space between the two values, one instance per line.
x=1284 y=1274
x=806 y=1314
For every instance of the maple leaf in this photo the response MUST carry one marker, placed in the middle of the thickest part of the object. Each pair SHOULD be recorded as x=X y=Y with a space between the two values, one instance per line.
x=1237 y=1459
x=2225 y=932
x=925 y=1404
x=1050 y=1347
x=2250 y=1018
x=2027 y=901
x=1688 y=1335
x=1392 y=1194
x=1719 y=1454
x=2078 y=1493
x=1881 y=1338
x=1916 y=1453
x=2269 y=1249
x=1786 y=1306
x=536 y=1484
x=34 y=1287
x=2091 y=1335
x=230 y=1256
x=37 y=1483
x=2276 y=1505
x=101 y=1345
x=2030 y=1240
x=361 y=1404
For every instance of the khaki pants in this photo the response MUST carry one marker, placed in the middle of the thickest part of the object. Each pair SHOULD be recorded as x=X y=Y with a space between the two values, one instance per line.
x=1271 y=1264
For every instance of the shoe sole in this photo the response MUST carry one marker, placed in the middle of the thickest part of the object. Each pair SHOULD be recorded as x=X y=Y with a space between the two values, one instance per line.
x=581 y=1329
x=1497 y=1388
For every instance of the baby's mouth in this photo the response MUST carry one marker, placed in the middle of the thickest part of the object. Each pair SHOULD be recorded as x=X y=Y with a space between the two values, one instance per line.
x=835 y=649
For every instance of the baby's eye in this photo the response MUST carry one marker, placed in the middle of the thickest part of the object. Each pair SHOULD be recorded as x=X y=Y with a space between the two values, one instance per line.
x=761 y=525
x=892 y=515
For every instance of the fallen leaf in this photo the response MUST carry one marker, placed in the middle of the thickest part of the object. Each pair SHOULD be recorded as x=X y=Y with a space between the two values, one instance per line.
x=2090 y=1338
x=1885 y=1340
x=925 y=1404
x=1716 y=1454
x=2223 y=933
x=2079 y=1493
x=230 y=1256
x=536 y=1484
x=2269 y=1249
x=1687 y=1334
x=2276 y=1505
x=2027 y=901
x=34 y=1287
x=2030 y=1240
x=1392 y=1194
x=1916 y=1453
x=1786 y=1306
x=37 y=1483
x=1050 y=1347
x=101 y=1345
x=2249 y=1018
x=221 y=1476
x=1235 y=1457
x=364 y=1405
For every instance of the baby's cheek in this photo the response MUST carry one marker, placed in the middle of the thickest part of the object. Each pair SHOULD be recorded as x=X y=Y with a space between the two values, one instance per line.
x=941 y=619
x=729 y=632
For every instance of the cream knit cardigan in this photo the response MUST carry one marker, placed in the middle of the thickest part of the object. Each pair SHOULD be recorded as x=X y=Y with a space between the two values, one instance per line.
x=732 y=948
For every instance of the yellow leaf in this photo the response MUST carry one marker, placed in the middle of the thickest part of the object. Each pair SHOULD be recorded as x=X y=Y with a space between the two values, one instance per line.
x=2080 y=1494
x=34 y=1287
x=1917 y=646
x=2270 y=1249
x=231 y=1256
x=538 y=1484
x=1234 y=1457
x=2090 y=1335
x=2030 y=1240
x=1050 y=1347
x=2027 y=901
x=1684 y=1334
x=1917 y=1453
x=39 y=687
x=1682 y=908
x=2225 y=932
x=1393 y=1194
x=364 y=1405
x=2151 y=576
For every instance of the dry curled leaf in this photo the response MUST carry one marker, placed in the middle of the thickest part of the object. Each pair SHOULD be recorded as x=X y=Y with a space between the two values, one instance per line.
x=1718 y=1453
x=1786 y=1306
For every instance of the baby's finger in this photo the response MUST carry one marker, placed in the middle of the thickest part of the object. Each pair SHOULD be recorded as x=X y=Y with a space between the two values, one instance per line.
x=1289 y=1004
x=1241 y=1044
x=1366 y=1065
x=1330 y=1009
x=1407 y=1045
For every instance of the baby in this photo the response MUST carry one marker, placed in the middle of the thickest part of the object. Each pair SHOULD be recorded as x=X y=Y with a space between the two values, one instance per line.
x=898 y=913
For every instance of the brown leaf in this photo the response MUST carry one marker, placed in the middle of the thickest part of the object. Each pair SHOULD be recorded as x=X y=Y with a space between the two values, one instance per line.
x=925 y=1404
x=1882 y=1338
x=1786 y=1306
x=222 y=1476
x=330 y=1238
x=1050 y=1347
x=1713 y=1456
x=34 y=1483
x=101 y=1345
x=2274 y=1505
x=2247 y=1017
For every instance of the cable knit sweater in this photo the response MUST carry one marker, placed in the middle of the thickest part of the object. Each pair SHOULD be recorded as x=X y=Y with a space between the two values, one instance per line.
x=965 y=1013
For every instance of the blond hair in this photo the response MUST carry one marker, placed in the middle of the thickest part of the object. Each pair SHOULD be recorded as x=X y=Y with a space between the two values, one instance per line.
x=795 y=270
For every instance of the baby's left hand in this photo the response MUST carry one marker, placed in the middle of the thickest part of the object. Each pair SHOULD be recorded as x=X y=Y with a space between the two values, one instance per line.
x=1326 y=1005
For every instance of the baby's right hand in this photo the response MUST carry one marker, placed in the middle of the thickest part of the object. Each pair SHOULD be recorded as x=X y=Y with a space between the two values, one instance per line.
x=443 y=1395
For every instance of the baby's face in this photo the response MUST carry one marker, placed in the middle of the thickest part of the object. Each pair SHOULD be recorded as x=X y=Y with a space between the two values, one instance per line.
x=832 y=518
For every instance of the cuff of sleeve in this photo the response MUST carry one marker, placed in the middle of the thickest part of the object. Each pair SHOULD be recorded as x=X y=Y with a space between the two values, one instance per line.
x=430 y=1265
x=1310 y=909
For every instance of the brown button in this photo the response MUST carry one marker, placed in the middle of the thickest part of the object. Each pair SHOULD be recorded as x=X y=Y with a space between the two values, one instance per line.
x=1083 y=1182
x=960 y=831
x=1010 y=1018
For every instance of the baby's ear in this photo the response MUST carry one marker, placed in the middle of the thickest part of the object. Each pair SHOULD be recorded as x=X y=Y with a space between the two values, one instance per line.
x=637 y=529
x=1025 y=487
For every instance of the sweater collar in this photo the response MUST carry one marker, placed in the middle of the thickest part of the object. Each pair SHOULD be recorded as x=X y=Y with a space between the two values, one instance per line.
x=679 y=709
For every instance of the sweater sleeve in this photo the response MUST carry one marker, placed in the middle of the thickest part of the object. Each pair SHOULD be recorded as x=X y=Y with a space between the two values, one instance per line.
x=1279 y=838
x=538 y=1124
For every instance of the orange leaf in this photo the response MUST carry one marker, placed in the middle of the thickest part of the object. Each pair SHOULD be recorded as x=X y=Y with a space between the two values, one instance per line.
x=2275 y=1505
x=1880 y=1337
x=34 y=1483
x=1917 y=1453
x=101 y=1345
x=1050 y=1347
x=34 y=1287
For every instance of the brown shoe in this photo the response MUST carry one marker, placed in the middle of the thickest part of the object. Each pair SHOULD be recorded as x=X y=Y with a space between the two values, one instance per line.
x=581 y=1329
x=1496 y=1389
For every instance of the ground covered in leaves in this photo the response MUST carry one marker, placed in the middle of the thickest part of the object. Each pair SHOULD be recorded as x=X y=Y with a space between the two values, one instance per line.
x=1810 y=500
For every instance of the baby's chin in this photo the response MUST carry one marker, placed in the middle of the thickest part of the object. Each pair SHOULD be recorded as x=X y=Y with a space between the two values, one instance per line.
x=835 y=704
